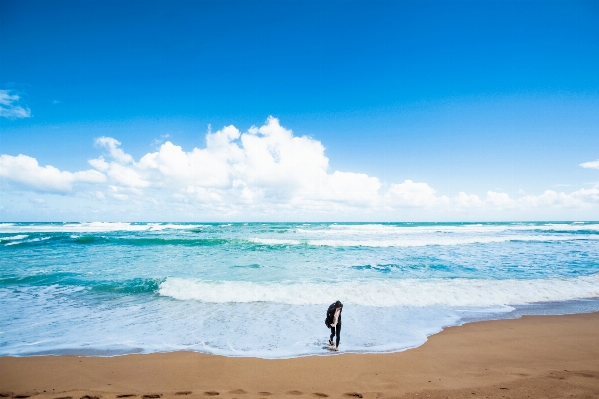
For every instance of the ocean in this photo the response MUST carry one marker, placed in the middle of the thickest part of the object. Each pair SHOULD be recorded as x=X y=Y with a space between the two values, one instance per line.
x=262 y=289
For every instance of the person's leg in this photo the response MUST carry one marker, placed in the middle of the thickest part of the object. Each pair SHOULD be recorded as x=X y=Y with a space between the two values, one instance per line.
x=332 y=335
x=338 y=330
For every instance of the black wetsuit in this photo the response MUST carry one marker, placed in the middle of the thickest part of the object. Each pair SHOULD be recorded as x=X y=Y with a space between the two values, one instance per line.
x=335 y=330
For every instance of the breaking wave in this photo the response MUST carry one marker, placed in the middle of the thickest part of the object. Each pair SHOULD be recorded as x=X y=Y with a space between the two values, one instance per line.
x=387 y=293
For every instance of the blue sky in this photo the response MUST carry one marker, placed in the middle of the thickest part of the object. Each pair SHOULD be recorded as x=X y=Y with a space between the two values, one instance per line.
x=463 y=97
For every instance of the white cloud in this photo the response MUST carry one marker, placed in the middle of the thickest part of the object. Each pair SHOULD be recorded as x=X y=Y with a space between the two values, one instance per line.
x=126 y=176
x=413 y=194
x=122 y=168
x=350 y=188
x=591 y=165
x=112 y=146
x=499 y=200
x=463 y=200
x=9 y=107
x=174 y=167
x=264 y=164
x=264 y=171
x=100 y=164
x=26 y=172
x=549 y=200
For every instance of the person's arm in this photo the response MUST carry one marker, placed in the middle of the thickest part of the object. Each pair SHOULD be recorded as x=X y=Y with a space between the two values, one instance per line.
x=336 y=317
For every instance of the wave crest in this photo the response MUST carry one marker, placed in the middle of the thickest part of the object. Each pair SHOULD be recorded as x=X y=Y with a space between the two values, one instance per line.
x=386 y=293
x=420 y=241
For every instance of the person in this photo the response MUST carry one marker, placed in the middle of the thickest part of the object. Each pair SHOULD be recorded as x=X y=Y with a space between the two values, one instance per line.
x=333 y=321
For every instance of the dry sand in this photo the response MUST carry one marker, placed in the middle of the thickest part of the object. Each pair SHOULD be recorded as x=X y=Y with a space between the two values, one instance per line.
x=532 y=357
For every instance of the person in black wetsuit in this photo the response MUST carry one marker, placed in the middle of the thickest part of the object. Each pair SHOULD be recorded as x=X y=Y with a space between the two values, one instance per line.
x=333 y=321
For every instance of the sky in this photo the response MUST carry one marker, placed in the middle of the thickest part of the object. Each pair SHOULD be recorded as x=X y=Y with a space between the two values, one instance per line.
x=299 y=110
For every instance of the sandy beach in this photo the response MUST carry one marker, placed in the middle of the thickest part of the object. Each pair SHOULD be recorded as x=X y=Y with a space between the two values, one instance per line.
x=536 y=356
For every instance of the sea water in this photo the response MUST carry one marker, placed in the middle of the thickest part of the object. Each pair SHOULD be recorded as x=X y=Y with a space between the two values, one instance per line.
x=262 y=289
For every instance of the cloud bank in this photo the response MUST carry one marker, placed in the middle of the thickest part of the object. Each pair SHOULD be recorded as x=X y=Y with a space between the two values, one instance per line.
x=26 y=172
x=266 y=171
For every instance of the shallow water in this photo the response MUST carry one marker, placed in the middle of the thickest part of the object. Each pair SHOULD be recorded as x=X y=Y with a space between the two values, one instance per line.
x=262 y=289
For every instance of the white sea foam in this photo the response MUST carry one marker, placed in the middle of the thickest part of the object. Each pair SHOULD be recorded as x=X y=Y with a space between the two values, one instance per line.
x=350 y=229
x=334 y=229
x=266 y=330
x=388 y=293
x=420 y=241
x=37 y=239
x=277 y=241
x=170 y=226
x=17 y=237
x=92 y=227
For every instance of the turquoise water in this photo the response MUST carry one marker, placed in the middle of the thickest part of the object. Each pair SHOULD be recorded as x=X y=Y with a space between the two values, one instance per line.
x=262 y=289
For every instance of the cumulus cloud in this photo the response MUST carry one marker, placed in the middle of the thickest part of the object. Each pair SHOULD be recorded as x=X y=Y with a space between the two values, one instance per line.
x=122 y=167
x=266 y=169
x=350 y=188
x=413 y=194
x=576 y=198
x=464 y=201
x=27 y=173
x=591 y=165
x=499 y=200
x=112 y=145
x=549 y=199
x=265 y=164
x=10 y=107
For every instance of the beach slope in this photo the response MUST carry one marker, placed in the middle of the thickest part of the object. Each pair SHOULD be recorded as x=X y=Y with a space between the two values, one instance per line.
x=535 y=356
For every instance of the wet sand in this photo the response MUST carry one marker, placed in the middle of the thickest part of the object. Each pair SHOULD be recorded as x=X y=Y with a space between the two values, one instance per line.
x=532 y=357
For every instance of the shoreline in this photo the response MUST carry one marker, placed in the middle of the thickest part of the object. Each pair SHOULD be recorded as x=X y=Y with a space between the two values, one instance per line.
x=527 y=356
x=562 y=308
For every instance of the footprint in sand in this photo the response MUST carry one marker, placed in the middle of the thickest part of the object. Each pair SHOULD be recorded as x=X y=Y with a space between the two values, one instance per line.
x=264 y=393
x=354 y=394
x=238 y=392
x=89 y=397
x=211 y=393
x=6 y=394
x=125 y=395
x=65 y=397
x=152 y=396
x=294 y=392
x=23 y=395
x=183 y=393
x=321 y=395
